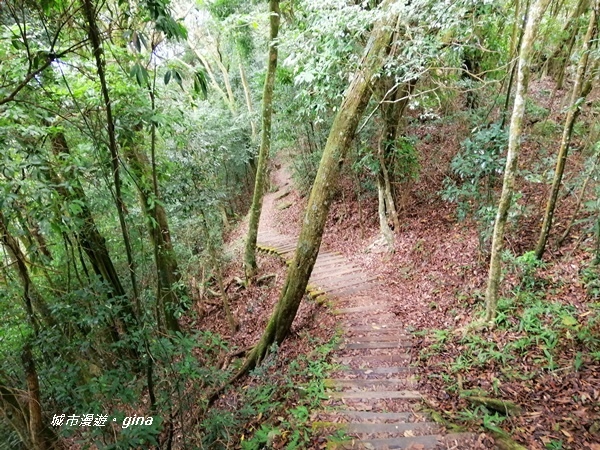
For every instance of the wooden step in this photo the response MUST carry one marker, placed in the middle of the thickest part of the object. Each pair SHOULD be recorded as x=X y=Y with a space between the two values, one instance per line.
x=365 y=287
x=326 y=272
x=375 y=345
x=328 y=257
x=426 y=443
x=351 y=284
x=360 y=309
x=376 y=327
x=362 y=383
x=382 y=371
x=392 y=428
x=404 y=394
x=376 y=416
x=373 y=360
x=334 y=282
x=377 y=337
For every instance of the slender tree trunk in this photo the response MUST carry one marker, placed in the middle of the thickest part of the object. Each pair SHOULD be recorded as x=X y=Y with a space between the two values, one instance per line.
x=225 y=75
x=34 y=401
x=265 y=146
x=384 y=226
x=216 y=267
x=94 y=35
x=393 y=103
x=248 y=99
x=17 y=413
x=515 y=45
x=34 y=302
x=578 y=94
x=558 y=60
x=158 y=229
x=88 y=236
x=384 y=176
x=579 y=201
x=211 y=75
x=321 y=196
x=491 y=297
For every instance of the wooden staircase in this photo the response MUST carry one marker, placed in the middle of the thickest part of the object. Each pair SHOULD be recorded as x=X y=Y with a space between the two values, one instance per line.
x=374 y=398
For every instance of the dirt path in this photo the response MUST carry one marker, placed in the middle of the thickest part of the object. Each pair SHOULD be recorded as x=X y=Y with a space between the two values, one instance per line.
x=373 y=396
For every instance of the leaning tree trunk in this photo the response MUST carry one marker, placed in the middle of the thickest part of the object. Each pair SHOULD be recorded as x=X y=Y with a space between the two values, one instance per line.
x=15 y=408
x=265 y=146
x=516 y=125
x=94 y=36
x=158 y=229
x=248 y=99
x=34 y=302
x=88 y=236
x=578 y=94
x=34 y=402
x=340 y=137
x=558 y=61
x=393 y=103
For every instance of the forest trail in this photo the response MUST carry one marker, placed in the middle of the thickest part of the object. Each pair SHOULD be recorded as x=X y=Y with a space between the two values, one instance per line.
x=373 y=398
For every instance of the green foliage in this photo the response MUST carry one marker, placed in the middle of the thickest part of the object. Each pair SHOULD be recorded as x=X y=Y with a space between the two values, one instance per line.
x=160 y=14
x=222 y=9
x=591 y=279
x=476 y=170
x=546 y=128
x=525 y=267
x=304 y=169
x=273 y=406
x=534 y=112
x=406 y=163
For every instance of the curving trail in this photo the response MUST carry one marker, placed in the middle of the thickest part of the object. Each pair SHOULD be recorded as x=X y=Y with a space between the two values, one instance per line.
x=373 y=398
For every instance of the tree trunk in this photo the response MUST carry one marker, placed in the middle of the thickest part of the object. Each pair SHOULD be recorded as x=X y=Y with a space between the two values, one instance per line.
x=394 y=100
x=580 y=198
x=578 y=94
x=34 y=302
x=216 y=267
x=559 y=58
x=94 y=35
x=321 y=196
x=34 y=402
x=265 y=146
x=158 y=230
x=248 y=99
x=516 y=124
x=384 y=226
x=88 y=236
x=515 y=45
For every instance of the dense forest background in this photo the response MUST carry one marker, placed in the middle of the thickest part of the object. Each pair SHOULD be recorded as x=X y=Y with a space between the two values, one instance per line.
x=455 y=143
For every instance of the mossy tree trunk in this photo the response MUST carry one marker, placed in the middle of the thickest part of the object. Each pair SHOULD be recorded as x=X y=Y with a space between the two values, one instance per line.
x=577 y=96
x=394 y=100
x=265 y=146
x=558 y=61
x=321 y=196
x=516 y=125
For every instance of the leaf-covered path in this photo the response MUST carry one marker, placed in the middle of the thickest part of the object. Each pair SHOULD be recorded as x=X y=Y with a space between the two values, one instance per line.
x=373 y=398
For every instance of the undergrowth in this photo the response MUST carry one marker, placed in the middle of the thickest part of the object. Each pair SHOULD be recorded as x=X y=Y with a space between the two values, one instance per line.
x=533 y=339
x=272 y=409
